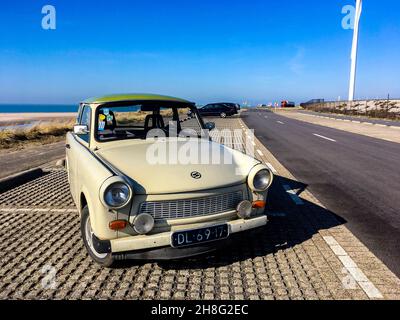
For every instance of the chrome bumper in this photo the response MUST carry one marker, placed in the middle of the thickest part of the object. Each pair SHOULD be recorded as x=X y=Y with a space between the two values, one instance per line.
x=163 y=239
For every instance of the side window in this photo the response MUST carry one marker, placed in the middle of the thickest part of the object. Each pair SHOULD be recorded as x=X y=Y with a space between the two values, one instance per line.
x=85 y=120
x=189 y=126
x=78 y=117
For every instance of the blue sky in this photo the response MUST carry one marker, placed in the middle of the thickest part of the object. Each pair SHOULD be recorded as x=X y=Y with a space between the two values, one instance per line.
x=260 y=51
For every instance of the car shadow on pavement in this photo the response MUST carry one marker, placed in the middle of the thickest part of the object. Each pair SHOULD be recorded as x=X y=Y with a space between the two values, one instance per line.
x=289 y=225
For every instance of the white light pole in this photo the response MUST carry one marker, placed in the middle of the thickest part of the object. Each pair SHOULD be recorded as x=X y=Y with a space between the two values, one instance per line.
x=354 y=50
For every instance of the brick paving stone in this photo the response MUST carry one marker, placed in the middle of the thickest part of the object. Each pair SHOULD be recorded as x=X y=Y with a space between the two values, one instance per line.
x=287 y=259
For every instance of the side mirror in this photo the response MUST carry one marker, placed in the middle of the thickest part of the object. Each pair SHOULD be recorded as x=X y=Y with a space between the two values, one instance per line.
x=81 y=129
x=210 y=126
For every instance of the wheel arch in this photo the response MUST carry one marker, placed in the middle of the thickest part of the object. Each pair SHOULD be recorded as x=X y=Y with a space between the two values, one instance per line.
x=82 y=201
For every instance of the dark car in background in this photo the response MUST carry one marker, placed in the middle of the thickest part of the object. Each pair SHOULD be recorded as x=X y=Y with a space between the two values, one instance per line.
x=311 y=102
x=222 y=110
x=236 y=106
x=288 y=104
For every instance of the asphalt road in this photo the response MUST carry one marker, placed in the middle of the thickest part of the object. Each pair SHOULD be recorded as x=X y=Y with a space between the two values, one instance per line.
x=362 y=119
x=354 y=176
x=16 y=161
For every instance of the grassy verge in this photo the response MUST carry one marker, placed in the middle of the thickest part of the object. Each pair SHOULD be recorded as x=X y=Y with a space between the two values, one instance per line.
x=54 y=131
x=43 y=133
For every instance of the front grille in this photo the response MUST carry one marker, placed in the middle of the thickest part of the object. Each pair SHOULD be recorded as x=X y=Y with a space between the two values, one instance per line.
x=176 y=209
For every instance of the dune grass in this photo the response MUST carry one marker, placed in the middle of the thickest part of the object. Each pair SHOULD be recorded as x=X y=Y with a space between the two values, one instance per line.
x=42 y=133
x=53 y=131
x=124 y=118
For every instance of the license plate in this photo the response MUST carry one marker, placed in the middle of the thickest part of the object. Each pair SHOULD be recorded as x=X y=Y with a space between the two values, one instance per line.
x=196 y=236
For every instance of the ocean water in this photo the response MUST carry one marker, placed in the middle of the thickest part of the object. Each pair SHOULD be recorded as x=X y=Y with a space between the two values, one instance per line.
x=28 y=108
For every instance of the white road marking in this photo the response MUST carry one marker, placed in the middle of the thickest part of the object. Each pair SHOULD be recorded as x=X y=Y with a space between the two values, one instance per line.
x=280 y=122
x=293 y=195
x=271 y=168
x=323 y=137
x=266 y=117
x=352 y=268
x=260 y=153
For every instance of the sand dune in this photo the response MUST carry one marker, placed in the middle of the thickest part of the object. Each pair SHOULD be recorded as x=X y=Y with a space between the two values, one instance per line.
x=7 y=118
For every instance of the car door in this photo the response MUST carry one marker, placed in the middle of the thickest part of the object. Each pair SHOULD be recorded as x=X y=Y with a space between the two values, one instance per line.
x=217 y=109
x=205 y=111
x=74 y=145
x=229 y=109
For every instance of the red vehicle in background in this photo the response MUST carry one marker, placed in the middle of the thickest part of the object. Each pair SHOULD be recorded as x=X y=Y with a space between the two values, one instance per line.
x=287 y=104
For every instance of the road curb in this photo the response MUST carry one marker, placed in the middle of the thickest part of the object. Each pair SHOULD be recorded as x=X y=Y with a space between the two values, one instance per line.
x=19 y=178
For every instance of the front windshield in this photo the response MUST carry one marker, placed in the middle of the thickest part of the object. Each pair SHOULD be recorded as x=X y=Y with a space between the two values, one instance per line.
x=135 y=121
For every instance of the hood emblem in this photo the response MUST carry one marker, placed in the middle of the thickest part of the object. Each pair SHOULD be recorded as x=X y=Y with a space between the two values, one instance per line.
x=195 y=175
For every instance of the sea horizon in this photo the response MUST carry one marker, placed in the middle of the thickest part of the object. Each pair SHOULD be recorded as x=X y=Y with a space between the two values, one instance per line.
x=37 y=107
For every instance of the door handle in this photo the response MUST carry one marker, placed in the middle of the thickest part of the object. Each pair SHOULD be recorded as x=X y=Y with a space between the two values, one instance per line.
x=68 y=146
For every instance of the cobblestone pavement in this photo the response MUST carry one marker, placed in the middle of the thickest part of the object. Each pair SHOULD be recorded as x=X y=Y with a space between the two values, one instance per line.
x=305 y=252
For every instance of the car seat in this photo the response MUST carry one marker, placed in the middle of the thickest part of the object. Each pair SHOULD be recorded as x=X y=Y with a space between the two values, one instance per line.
x=157 y=121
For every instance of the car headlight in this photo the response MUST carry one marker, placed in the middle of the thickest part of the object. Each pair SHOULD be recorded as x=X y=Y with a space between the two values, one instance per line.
x=115 y=193
x=260 y=178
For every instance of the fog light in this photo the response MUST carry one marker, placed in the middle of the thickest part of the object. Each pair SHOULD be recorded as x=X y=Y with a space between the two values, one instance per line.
x=143 y=223
x=244 y=209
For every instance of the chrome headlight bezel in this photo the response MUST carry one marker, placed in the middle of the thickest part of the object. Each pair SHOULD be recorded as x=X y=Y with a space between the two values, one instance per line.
x=254 y=176
x=108 y=186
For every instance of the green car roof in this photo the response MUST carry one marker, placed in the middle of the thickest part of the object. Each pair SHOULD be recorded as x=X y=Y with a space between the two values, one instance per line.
x=133 y=97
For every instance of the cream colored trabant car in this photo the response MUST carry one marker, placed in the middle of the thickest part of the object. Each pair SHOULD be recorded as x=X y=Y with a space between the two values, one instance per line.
x=137 y=203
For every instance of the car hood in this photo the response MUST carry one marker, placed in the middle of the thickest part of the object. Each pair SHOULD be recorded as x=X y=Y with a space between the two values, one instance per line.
x=137 y=160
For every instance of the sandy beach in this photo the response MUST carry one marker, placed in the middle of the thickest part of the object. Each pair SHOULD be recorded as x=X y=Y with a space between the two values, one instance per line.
x=18 y=118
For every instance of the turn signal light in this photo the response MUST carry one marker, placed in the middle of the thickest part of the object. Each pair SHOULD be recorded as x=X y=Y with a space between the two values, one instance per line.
x=259 y=204
x=118 y=224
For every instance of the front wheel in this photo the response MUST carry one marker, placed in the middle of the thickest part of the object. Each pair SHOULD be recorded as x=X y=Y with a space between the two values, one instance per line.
x=223 y=115
x=104 y=259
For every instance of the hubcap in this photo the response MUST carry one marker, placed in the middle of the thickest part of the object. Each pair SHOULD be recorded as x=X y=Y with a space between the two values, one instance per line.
x=89 y=240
